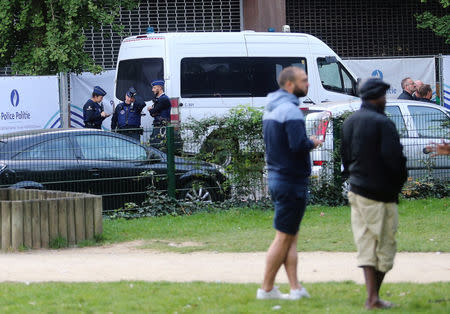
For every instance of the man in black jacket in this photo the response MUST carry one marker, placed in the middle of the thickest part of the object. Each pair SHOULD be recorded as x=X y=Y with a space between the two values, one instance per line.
x=373 y=160
x=409 y=87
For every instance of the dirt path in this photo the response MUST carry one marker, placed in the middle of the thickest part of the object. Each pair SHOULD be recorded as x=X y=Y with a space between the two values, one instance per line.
x=128 y=262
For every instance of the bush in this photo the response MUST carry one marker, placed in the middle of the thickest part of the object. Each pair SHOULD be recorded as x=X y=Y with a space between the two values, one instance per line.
x=425 y=188
x=235 y=141
x=157 y=204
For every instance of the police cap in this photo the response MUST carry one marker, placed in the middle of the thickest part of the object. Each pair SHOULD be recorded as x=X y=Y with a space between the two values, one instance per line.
x=131 y=92
x=158 y=82
x=99 y=91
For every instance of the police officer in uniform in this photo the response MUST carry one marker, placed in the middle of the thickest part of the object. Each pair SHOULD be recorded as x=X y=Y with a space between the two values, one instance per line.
x=93 y=110
x=160 y=111
x=127 y=116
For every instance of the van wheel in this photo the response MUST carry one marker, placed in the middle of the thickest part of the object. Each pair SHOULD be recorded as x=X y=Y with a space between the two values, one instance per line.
x=219 y=148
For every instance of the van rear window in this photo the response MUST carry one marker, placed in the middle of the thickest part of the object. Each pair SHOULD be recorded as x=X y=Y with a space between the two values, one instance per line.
x=138 y=73
x=233 y=76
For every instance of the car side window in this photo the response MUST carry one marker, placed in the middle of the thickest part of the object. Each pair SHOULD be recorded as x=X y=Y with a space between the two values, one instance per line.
x=430 y=122
x=394 y=113
x=55 y=149
x=105 y=147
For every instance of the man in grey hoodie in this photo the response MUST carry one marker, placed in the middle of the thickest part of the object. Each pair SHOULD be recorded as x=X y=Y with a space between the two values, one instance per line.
x=289 y=167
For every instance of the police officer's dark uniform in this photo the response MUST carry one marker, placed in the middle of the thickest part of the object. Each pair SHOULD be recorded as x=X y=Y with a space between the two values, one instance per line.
x=161 y=115
x=92 y=111
x=127 y=117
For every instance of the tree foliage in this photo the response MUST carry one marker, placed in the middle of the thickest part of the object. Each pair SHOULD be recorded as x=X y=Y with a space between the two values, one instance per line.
x=39 y=37
x=440 y=25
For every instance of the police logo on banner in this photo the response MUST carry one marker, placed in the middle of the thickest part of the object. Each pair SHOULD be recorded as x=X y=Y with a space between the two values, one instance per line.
x=377 y=74
x=14 y=98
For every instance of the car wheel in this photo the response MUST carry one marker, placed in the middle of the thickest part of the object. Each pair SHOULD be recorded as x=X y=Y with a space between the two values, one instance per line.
x=198 y=191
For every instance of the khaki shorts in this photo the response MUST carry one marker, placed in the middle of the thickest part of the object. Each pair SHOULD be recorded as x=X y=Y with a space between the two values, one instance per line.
x=374 y=225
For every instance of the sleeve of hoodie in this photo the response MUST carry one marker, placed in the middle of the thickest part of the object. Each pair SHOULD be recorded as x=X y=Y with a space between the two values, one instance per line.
x=296 y=132
x=392 y=153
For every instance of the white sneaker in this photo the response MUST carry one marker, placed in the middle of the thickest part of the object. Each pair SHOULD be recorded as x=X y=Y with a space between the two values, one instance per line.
x=297 y=294
x=261 y=294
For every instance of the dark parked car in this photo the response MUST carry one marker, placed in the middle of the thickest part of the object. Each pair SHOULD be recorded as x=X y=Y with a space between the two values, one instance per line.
x=102 y=163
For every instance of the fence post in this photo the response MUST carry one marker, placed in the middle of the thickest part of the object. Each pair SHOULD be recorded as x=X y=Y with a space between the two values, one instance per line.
x=170 y=161
x=64 y=99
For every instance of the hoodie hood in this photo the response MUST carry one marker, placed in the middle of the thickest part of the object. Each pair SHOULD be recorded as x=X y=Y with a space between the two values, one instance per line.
x=279 y=97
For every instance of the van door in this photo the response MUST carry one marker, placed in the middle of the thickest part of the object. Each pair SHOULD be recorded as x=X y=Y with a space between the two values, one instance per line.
x=268 y=55
x=142 y=59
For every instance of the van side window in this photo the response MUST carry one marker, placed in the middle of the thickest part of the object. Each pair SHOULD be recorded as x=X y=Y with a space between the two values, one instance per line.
x=215 y=77
x=138 y=73
x=335 y=77
x=265 y=72
x=233 y=76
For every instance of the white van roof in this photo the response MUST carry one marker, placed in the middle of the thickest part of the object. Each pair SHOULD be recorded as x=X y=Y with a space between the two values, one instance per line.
x=199 y=36
x=152 y=36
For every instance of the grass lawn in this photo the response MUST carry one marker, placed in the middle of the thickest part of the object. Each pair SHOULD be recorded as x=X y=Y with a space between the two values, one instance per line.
x=423 y=227
x=142 y=297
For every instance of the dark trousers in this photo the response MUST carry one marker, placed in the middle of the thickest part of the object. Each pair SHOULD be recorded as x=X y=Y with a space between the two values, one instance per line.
x=133 y=133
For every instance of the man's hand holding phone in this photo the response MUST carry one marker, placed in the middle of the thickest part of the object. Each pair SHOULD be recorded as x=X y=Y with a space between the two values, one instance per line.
x=316 y=141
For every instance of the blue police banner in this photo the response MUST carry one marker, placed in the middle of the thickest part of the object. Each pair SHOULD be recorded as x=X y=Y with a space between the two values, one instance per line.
x=394 y=70
x=446 y=79
x=29 y=102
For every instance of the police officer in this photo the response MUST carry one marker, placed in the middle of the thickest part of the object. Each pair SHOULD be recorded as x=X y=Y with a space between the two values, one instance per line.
x=160 y=111
x=93 y=110
x=127 y=116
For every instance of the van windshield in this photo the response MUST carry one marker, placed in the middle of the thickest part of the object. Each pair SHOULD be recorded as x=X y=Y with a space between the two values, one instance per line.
x=138 y=73
x=335 y=77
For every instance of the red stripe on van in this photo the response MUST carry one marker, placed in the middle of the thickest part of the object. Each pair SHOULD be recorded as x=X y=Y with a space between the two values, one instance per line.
x=174 y=117
x=174 y=102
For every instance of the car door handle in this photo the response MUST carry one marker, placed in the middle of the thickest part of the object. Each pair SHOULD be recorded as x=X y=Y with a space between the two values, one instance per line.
x=94 y=172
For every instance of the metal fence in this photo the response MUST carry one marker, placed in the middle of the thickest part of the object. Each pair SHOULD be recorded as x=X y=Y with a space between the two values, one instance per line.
x=121 y=169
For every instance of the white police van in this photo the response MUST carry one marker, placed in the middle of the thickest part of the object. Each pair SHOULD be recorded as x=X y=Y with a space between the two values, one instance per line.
x=209 y=73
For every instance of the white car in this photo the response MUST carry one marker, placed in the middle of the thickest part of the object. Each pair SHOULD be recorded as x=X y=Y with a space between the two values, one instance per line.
x=419 y=124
